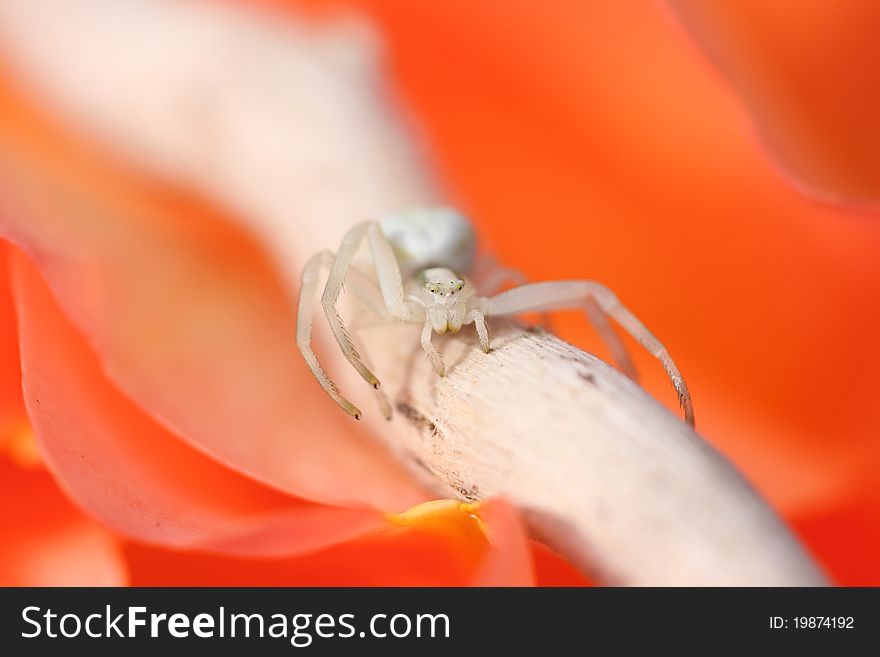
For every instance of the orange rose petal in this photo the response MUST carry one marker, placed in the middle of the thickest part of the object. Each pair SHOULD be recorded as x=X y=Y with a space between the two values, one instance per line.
x=185 y=314
x=809 y=75
x=46 y=541
x=131 y=473
x=439 y=543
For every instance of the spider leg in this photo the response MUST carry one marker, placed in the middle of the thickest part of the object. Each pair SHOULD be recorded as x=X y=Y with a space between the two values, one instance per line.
x=365 y=290
x=479 y=321
x=490 y=278
x=570 y=294
x=433 y=355
x=599 y=319
x=388 y=274
x=390 y=294
x=378 y=393
x=338 y=273
x=305 y=310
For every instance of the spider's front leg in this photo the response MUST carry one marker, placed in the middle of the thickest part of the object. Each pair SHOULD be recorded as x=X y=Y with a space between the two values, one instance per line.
x=390 y=291
x=433 y=355
x=305 y=310
x=559 y=295
x=365 y=290
x=479 y=321
x=329 y=299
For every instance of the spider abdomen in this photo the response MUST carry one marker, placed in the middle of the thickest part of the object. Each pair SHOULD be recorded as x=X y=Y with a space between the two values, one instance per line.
x=430 y=237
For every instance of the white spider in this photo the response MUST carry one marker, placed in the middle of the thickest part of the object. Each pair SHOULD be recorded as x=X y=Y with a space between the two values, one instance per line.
x=419 y=259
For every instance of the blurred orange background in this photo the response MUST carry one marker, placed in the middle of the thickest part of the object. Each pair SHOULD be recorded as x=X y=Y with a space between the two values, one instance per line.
x=599 y=140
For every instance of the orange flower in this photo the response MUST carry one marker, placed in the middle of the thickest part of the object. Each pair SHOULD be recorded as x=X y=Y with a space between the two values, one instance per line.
x=157 y=354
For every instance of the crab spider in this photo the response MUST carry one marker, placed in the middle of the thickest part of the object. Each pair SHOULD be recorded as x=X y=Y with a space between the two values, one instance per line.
x=419 y=258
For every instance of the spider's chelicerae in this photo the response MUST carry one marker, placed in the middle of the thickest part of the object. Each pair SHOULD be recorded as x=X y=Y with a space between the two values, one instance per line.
x=419 y=259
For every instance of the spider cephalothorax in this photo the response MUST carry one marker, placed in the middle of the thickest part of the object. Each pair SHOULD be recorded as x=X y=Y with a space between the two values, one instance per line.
x=414 y=278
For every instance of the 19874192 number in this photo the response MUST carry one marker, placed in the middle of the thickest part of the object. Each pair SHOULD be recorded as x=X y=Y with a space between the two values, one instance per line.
x=812 y=622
